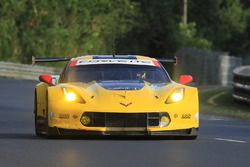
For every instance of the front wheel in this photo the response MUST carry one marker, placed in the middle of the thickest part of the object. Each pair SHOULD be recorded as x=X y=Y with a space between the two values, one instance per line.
x=38 y=130
x=50 y=132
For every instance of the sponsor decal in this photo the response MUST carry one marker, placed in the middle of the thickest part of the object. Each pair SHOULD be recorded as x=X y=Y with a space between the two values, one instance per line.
x=185 y=116
x=116 y=61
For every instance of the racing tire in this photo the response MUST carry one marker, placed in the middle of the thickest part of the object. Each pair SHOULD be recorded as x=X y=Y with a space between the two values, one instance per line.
x=38 y=131
x=51 y=133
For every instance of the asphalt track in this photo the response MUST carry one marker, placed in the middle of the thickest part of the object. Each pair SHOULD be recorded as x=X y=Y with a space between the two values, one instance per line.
x=222 y=141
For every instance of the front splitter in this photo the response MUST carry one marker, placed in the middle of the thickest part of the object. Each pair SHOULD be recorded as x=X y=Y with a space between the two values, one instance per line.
x=183 y=132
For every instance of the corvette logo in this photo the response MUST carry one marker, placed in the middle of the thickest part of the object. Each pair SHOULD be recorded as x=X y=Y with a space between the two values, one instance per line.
x=126 y=105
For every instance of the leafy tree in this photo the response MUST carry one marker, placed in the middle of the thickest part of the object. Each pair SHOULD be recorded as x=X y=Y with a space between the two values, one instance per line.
x=220 y=21
x=186 y=36
x=62 y=28
x=154 y=34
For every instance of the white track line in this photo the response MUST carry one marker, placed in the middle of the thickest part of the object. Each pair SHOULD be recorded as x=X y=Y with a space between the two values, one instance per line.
x=211 y=100
x=230 y=140
x=216 y=119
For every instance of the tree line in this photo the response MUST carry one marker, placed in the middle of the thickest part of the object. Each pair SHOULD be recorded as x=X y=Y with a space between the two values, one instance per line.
x=67 y=28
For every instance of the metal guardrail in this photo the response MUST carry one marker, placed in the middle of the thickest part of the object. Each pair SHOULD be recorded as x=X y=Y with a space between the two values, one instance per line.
x=241 y=84
x=23 y=71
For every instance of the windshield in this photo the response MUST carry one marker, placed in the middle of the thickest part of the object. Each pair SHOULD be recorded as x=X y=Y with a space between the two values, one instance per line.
x=116 y=72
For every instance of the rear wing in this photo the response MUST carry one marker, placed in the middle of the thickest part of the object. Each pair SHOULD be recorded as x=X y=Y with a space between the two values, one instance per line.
x=41 y=60
x=173 y=60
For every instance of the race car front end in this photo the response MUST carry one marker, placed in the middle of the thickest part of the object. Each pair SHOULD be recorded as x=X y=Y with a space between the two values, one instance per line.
x=93 y=110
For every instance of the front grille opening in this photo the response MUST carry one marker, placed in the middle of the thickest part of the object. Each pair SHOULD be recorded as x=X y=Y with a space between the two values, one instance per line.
x=129 y=120
x=153 y=119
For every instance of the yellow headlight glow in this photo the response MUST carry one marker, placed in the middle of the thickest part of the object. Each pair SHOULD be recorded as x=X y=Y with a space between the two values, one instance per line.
x=176 y=96
x=70 y=96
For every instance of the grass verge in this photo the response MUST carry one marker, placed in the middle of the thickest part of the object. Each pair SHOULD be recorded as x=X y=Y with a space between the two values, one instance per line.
x=220 y=102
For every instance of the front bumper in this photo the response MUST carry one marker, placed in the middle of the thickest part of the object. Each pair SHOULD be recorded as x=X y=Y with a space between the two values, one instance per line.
x=127 y=122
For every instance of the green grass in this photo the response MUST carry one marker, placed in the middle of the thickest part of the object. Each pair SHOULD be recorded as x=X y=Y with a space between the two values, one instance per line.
x=220 y=102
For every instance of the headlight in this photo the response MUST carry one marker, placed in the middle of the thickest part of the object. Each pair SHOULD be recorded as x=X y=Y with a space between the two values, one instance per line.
x=71 y=96
x=176 y=96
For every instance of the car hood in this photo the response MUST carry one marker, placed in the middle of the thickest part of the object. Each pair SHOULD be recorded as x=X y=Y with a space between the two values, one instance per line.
x=123 y=95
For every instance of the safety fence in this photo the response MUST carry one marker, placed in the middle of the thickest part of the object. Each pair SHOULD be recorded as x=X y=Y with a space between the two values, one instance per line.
x=207 y=67
x=23 y=71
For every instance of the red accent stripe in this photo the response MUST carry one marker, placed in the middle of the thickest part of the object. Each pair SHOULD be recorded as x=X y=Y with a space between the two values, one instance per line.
x=73 y=63
x=156 y=63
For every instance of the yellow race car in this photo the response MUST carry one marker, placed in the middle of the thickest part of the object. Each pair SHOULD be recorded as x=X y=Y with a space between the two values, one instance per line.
x=115 y=95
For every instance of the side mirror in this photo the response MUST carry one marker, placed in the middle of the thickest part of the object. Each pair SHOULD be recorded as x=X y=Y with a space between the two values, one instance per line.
x=185 y=79
x=46 y=78
x=55 y=79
